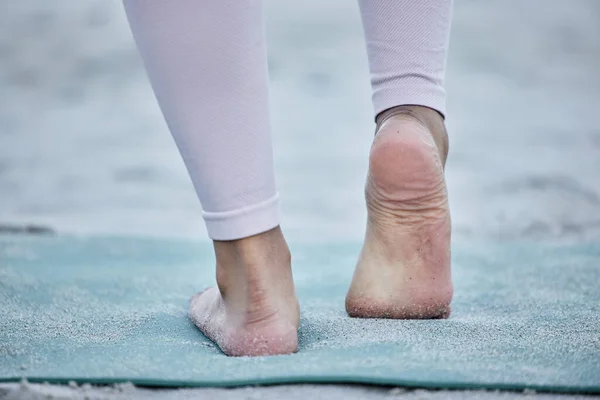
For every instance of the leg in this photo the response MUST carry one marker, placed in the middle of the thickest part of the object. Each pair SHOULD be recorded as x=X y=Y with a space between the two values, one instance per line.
x=404 y=267
x=206 y=60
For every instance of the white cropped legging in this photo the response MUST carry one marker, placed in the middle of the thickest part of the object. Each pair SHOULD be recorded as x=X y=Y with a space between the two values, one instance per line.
x=207 y=63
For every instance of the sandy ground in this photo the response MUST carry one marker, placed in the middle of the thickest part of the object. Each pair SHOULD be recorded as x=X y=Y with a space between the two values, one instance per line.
x=29 y=391
x=84 y=149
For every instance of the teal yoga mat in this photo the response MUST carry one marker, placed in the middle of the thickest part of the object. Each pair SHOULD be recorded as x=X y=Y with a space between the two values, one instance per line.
x=105 y=310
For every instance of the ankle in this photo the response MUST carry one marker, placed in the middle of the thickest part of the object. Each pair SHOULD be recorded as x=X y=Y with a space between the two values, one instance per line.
x=262 y=249
x=247 y=265
x=429 y=118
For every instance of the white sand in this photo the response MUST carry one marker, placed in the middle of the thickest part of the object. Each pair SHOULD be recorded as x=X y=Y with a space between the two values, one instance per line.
x=28 y=391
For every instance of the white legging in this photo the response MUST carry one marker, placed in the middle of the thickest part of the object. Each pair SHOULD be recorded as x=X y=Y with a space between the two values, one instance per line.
x=207 y=63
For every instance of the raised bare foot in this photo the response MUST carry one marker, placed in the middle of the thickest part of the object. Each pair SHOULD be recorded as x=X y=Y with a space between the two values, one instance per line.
x=253 y=310
x=404 y=267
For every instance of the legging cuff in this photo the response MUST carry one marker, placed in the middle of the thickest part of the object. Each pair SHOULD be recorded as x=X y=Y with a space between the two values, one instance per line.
x=409 y=93
x=243 y=222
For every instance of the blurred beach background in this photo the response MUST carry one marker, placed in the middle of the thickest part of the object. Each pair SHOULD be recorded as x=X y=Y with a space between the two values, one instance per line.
x=84 y=149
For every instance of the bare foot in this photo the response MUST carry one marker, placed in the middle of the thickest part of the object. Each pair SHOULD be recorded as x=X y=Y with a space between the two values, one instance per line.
x=404 y=267
x=253 y=310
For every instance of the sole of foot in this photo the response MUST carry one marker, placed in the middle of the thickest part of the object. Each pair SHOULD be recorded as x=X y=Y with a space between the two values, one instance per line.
x=404 y=271
x=253 y=310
